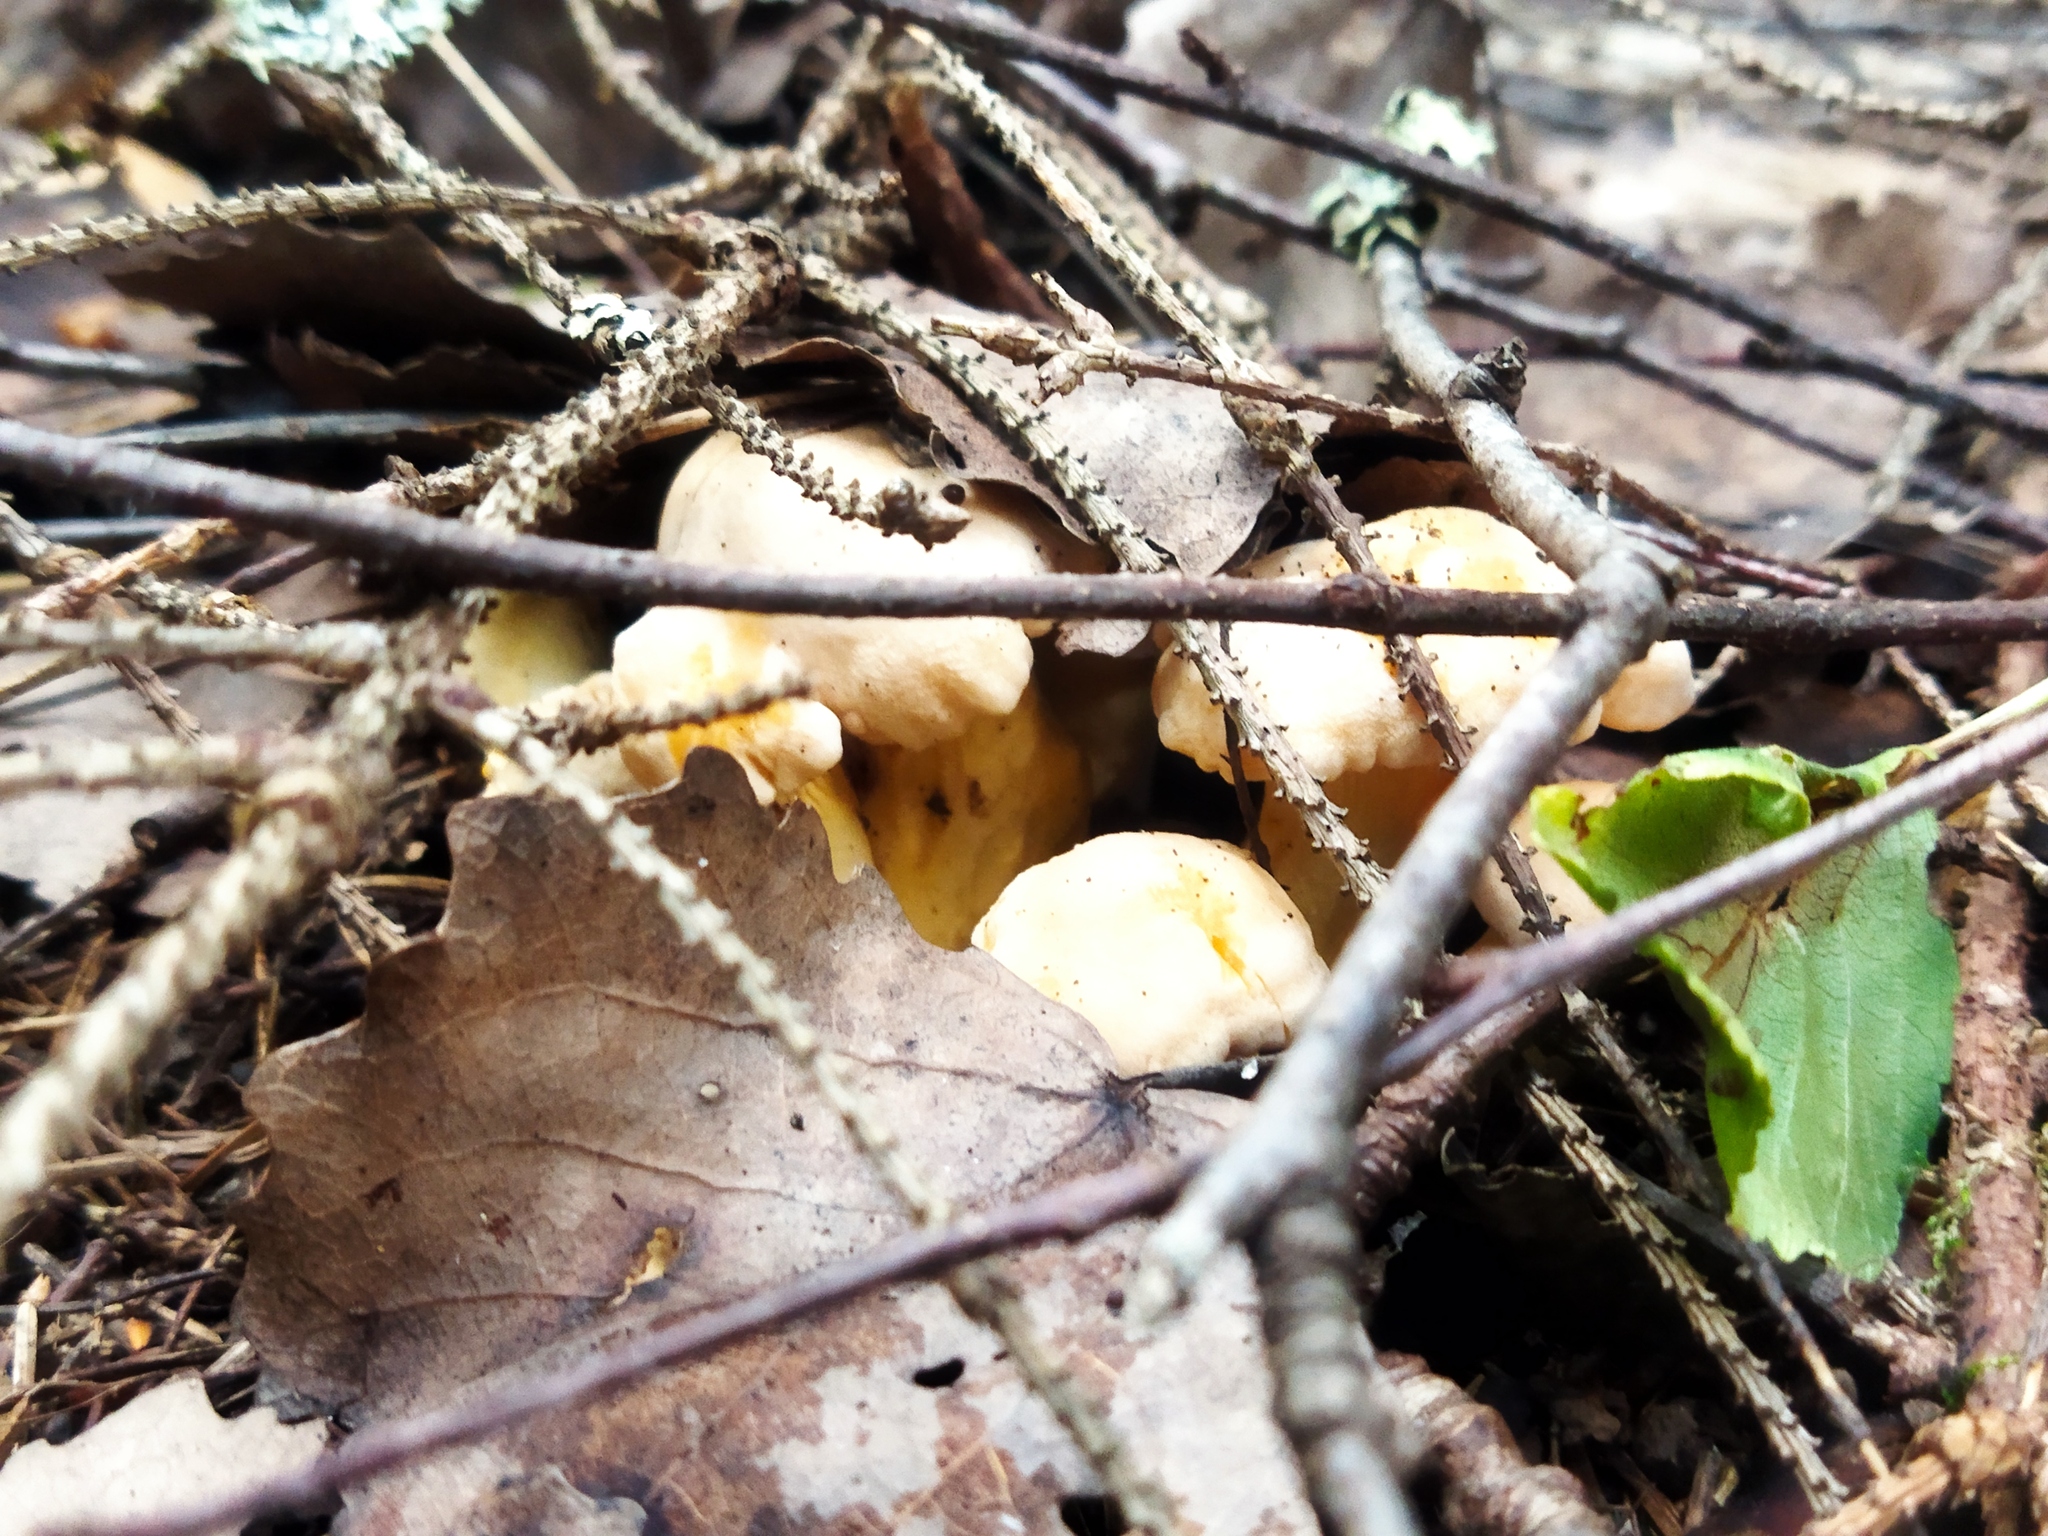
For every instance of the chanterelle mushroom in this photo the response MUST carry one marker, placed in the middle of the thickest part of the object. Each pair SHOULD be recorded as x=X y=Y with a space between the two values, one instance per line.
x=1179 y=950
x=1568 y=903
x=903 y=682
x=1335 y=690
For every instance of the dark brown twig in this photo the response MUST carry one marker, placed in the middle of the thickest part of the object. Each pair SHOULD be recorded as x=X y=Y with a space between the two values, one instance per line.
x=1068 y=1211
x=372 y=527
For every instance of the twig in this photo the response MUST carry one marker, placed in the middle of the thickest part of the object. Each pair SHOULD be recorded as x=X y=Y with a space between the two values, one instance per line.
x=243 y=762
x=50 y=361
x=445 y=194
x=578 y=725
x=341 y=648
x=1999 y=121
x=1304 y=1117
x=1068 y=1212
x=1790 y=1439
x=1997 y=1272
x=1607 y=338
x=1998 y=312
x=145 y=92
x=1583 y=952
x=981 y=1290
x=1248 y=107
x=1964 y=1455
x=631 y=86
x=371 y=526
x=1489 y=1490
x=41 y=557
x=1346 y=1419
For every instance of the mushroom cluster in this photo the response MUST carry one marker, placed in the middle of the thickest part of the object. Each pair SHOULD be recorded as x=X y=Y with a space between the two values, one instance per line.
x=965 y=762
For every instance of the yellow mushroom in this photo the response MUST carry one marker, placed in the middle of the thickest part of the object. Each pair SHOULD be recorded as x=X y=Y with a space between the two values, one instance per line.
x=952 y=824
x=1570 y=904
x=1335 y=690
x=1180 y=951
x=897 y=682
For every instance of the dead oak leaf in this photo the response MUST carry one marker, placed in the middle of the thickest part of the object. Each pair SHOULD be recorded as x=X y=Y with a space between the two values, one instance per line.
x=474 y=1171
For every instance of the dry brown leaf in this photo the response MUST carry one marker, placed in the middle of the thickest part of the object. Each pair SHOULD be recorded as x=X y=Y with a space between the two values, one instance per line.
x=475 y=1169
x=166 y=1448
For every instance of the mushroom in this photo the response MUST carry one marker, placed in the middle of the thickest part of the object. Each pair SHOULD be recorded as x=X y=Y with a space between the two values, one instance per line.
x=1383 y=807
x=528 y=644
x=1180 y=951
x=1335 y=690
x=1568 y=903
x=899 y=682
x=950 y=825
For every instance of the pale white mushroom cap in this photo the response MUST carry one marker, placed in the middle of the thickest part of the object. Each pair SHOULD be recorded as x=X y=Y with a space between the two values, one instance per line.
x=1179 y=950
x=1335 y=691
x=1653 y=692
x=905 y=682
x=700 y=653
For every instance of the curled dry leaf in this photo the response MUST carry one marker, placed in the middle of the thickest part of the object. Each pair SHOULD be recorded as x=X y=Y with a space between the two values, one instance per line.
x=473 y=1171
x=1169 y=452
x=165 y=1448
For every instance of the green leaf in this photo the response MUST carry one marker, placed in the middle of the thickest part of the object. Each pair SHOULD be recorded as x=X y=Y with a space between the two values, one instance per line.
x=1361 y=204
x=336 y=36
x=1828 y=1005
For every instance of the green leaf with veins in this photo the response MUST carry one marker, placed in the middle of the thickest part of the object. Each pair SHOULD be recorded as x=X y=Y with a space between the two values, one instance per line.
x=1361 y=204
x=1828 y=1005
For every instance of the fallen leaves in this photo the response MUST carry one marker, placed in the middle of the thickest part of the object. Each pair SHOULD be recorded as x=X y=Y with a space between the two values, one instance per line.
x=166 y=1447
x=484 y=1163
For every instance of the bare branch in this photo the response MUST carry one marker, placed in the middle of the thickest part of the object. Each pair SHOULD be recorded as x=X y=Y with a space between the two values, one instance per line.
x=1067 y=1211
x=1246 y=106
x=344 y=649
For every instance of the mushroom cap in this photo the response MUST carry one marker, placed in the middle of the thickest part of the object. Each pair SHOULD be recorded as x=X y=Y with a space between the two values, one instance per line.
x=905 y=682
x=1651 y=693
x=951 y=825
x=1383 y=807
x=529 y=644
x=1497 y=904
x=699 y=653
x=1180 y=951
x=1335 y=691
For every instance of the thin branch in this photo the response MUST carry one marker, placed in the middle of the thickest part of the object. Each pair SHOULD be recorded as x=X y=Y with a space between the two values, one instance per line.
x=1304 y=1117
x=1068 y=1212
x=341 y=649
x=979 y=1288
x=1998 y=312
x=241 y=762
x=1246 y=106
x=1585 y=951
x=1790 y=1439
x=145 y=91
x=1999 y=121
x=625 y=79
x=578 y=725
x=444 y=194
x=371 y=526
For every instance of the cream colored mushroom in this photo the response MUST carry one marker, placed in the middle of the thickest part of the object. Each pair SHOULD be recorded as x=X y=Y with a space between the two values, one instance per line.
x=1179 y=950
x=529 y=644
x=1497 y=904
x=1335 y=690
x=900 y=682
x=696 y=653
x=950 y=825
x=1383 y=807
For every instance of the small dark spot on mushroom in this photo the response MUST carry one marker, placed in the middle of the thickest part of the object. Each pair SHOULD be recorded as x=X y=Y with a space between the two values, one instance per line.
x=1115 y=1301
x=796 y=1122
x=944 y=1374
x=935 y=802
x=977 y=802
x=621 y=1204
x=954 y=492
